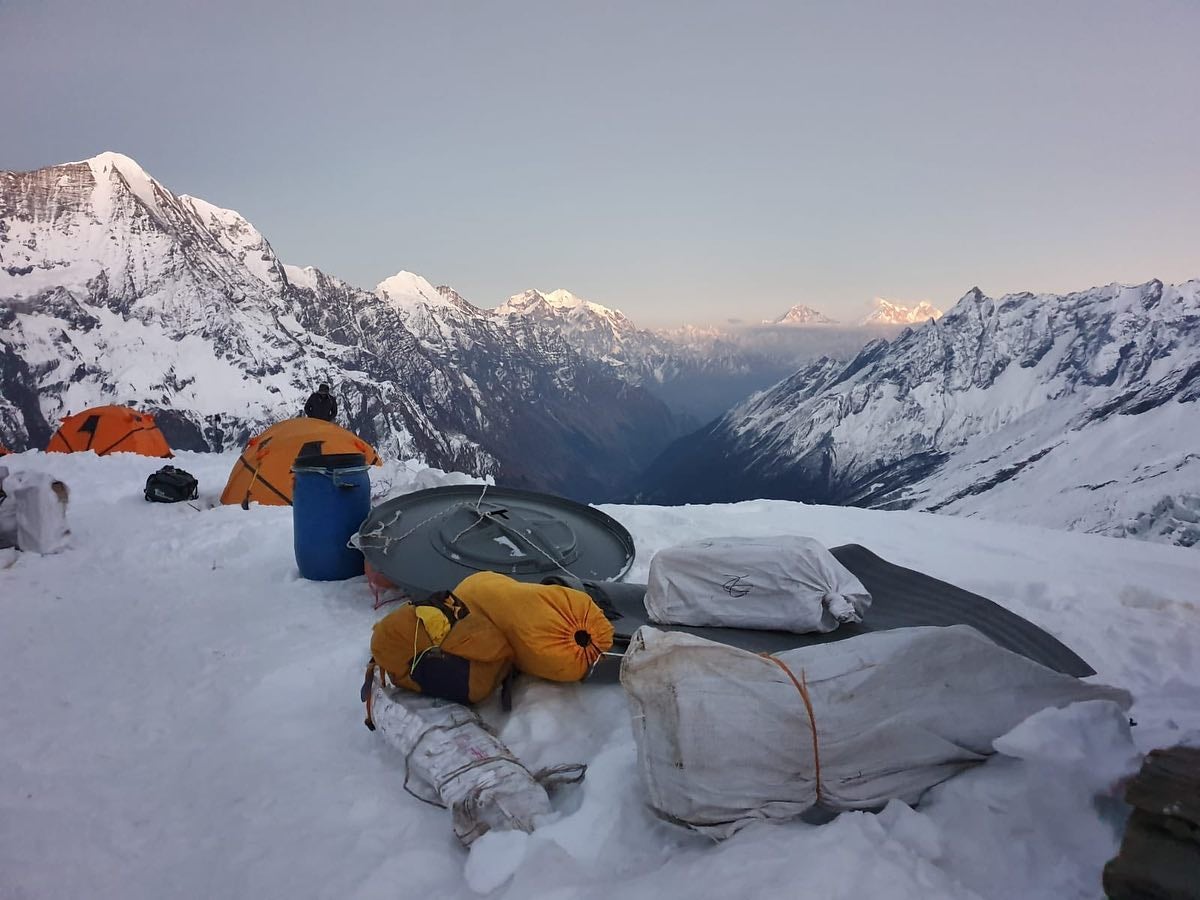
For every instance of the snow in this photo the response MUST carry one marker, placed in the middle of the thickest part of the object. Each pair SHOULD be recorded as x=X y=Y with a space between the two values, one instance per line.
x=301 y=277
x=139 y=181
x=140 y=362
x=889 y=312
x=181 y=719
x=564 y=299
x=562 y=303
x=406 y=289
x=801 y=315
x=1072 y=412
x=1112 y=477
x=238 y=238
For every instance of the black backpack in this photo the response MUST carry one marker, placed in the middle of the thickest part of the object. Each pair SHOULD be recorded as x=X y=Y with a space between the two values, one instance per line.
x=171 y=485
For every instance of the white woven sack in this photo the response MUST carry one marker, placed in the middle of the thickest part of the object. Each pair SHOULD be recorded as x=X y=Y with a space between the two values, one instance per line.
x=725 y=736
x=783 y=582
x=40 y=504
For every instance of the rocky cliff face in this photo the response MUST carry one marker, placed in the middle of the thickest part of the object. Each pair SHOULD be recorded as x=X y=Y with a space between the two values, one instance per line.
x=114 y=289
x=1073 y=411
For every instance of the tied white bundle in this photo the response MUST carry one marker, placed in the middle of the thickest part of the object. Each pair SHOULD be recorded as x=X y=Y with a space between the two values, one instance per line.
x=783 y=582
x=453 y=761
x=34 y=514
x=726 y=737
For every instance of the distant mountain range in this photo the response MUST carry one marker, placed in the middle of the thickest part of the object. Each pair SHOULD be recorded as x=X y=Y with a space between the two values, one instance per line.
x=1075 y=411
x=801 y=315
x=887 y=312
x=115 y=290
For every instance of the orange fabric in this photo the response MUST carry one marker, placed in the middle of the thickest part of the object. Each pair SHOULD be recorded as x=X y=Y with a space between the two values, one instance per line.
x=4 y=451
x=263 y=473
x=400 y=638
x=377 y=580
x=110 y=429
x=556 y=633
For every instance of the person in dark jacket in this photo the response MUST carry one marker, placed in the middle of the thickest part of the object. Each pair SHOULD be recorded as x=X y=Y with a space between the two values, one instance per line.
x=321 y=405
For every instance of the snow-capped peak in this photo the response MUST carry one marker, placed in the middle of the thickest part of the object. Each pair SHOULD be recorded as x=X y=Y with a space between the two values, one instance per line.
x=563 y=298
x=405 y=288
x=888 y=312
x=127 y=166
x=801 y=315
x=521 y=304
x=558 y=302
x=103 y=165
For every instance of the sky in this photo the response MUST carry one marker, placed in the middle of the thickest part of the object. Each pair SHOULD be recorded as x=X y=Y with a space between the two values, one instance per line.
x=681 y=161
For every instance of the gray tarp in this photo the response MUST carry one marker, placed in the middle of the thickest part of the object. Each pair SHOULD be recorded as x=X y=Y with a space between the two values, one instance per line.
x=901 y=598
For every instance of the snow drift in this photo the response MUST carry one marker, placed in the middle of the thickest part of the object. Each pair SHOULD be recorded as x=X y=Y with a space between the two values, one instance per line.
x=181 y=718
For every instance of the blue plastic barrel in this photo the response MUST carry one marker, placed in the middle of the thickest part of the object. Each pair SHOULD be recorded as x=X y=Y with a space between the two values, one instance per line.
x=331 y=497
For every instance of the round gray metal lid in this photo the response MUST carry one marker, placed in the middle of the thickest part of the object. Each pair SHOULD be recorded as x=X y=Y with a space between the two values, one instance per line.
x=430 y=540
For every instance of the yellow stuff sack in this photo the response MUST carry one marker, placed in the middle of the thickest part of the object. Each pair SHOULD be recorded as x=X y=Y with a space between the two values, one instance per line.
x=555 y=632
x=443 y=648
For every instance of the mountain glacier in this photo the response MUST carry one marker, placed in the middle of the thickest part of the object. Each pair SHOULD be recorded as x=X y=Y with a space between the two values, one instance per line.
x=1075 y=411
x=115 y=290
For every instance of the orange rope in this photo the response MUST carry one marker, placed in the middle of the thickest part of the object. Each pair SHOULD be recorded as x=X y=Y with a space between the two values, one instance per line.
x=802 y=687
x=369 y=690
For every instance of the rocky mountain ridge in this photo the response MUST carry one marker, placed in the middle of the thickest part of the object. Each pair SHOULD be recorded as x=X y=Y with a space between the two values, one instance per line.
x=114 y=289
x=1074 y=411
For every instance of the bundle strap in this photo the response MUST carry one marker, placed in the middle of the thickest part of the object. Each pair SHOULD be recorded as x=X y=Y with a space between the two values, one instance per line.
x=802 y=686
x=367 y=694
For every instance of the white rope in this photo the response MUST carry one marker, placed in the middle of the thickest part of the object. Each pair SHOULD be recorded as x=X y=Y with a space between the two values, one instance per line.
x=532 y=543
x=481 y=516
x=378 y=531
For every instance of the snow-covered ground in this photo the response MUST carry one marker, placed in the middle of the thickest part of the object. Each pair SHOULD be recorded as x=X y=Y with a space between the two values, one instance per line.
x=179 y=717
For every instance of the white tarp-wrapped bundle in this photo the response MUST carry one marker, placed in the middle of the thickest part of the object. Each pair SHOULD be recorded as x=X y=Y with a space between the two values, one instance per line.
x=783 y=582
x=726 y=737
x=453 y=761
x=35 y=511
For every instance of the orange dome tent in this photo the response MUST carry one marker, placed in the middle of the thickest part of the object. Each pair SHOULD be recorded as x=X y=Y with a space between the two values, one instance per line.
x=110 y=429
x=264 y=470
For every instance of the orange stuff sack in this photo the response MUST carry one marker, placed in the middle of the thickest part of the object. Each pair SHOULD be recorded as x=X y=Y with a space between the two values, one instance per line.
x=443 y=648
x=556 y=633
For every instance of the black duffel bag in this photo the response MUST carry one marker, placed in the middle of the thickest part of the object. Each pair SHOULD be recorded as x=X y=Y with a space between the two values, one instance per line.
x=171 y=485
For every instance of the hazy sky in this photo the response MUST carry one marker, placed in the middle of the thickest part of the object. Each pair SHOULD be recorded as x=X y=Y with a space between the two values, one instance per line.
x=681 y=161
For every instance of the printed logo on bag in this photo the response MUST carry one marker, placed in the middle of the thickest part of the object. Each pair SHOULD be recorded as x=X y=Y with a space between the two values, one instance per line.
x=736 y=587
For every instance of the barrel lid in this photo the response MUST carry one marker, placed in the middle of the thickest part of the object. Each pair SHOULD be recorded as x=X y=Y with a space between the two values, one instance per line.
x=432 y=539
x=330 y=461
